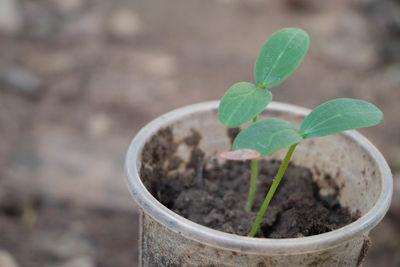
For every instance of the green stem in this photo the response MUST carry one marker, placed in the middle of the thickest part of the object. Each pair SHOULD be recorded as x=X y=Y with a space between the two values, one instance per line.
x=253 y=181
x=253 y=184
x=272 y=190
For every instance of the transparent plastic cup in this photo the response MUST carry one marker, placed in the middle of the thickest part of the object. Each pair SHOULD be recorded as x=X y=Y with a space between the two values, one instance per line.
x=359 y=169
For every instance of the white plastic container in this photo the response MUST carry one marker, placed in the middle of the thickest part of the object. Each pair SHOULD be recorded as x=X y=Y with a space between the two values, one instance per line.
x=167 y=239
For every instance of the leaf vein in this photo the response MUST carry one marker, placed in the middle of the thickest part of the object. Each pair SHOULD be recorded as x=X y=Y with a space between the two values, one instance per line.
x=280 y=55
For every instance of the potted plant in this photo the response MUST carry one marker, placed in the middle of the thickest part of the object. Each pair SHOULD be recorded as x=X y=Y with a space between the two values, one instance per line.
x=179 y=152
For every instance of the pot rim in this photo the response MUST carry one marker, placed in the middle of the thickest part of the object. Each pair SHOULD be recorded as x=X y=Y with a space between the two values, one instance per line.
x=243 y=244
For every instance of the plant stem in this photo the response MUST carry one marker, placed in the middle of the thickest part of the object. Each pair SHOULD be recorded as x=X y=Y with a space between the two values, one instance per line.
x=253 y=184
x=272 y=190
x=253 y=181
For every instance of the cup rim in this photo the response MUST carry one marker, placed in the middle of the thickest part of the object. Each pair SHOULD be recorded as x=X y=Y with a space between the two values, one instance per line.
x=243 y=244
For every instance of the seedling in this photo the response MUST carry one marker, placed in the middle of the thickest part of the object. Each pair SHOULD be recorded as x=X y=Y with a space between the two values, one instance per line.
x=278 y=58
x=269 y=135
x=243 y=102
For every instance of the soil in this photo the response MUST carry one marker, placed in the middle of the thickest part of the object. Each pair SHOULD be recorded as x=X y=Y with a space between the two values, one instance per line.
x=44 y=232
x=214 y=194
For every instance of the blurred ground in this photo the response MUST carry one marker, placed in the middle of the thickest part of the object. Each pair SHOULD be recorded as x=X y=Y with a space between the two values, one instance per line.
x=78 y=78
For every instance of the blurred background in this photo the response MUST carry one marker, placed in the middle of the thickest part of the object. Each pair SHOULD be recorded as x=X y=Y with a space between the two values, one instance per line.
x=79 y=78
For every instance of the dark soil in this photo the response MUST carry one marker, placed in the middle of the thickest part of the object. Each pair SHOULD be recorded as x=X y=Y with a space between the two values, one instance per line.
x=214 y=195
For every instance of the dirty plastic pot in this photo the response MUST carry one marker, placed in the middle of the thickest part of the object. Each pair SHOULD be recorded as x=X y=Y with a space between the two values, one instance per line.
x=167 y=239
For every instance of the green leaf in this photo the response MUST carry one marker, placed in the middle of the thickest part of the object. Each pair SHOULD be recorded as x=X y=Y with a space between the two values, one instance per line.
x=241 y=103
x=280 y=55
x=339 y=115
x=267 y=136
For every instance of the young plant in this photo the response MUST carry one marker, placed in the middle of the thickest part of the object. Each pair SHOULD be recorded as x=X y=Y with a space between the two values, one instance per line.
x=269 y=135
x=278 y=58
